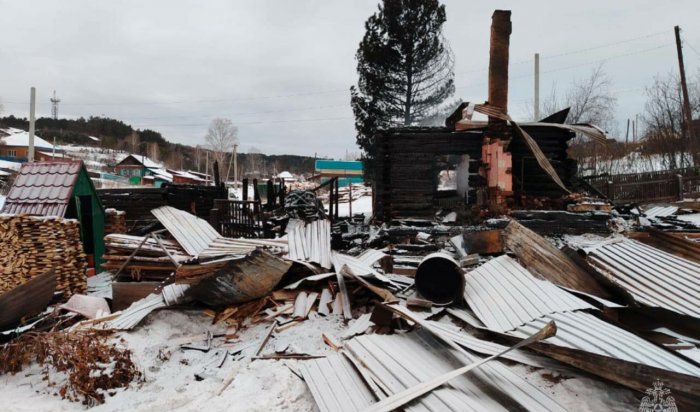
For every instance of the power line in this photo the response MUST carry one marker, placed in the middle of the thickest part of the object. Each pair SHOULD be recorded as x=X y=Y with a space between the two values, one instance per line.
x=545 y=56
x=691 y=48
x=577 y=65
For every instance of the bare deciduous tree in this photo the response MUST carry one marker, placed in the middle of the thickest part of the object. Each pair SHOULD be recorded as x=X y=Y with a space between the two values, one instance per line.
x=220 y=138
x=665 y=126
x=133 y=141
x=590 y=100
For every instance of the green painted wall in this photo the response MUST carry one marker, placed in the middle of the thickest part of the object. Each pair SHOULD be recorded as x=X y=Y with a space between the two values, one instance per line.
x=84 y=187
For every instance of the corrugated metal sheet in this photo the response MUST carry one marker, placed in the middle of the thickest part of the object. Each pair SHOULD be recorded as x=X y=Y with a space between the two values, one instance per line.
x=504 y=295
x=397 y=362
x=310 y=242
x=661 y=211
x=43 y=188
x=580 y=330
x=192 y=233
x=358 y=268
x=335 y=384
x=652 y=276
x=370 y=256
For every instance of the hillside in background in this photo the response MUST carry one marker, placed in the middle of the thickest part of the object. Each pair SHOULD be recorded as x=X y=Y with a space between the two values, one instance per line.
x=107 y=133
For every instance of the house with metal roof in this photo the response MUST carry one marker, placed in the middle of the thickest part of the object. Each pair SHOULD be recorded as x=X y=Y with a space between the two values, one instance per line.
x=61 y=189
x=14 y=147
x=142 y=170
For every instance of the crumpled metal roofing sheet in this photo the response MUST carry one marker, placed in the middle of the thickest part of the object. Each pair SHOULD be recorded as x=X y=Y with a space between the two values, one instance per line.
x=504 y=295
x=43 y=188
x=358 y=268
x=580 y=330
x=336 y=385
x=192 y=233
x=401 y=361
x=654 y=277
x=310 y=242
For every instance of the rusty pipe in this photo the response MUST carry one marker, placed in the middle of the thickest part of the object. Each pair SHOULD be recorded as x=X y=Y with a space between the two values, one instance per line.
x=439 y=279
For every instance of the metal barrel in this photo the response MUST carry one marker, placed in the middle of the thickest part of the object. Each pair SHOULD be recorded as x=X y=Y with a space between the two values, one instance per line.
x=440 y=279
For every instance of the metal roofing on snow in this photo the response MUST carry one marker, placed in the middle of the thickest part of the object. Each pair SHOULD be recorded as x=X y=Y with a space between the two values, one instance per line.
x=660 y=211
x=401 y=361
x=652 y=276
x=335 y=384
x=43 y=188
x=580 y=330
x=192 y=233
x=504 y=295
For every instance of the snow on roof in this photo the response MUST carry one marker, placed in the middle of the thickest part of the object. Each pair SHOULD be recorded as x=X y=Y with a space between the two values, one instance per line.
x=161 y=173
x=148 y=163
x=186 y=175
x=6 y=164
x=21 y=138
x=285 y=175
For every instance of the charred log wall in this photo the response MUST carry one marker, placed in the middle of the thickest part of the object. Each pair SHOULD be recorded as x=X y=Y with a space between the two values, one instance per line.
x=405 y=166
x=405 y=184
x=138 y=202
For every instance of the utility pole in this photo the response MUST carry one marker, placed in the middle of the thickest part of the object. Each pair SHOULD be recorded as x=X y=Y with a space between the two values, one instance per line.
x=537 y=87
x=627 y=135
x=235 y=165
x=32 y=121
x=686 y=101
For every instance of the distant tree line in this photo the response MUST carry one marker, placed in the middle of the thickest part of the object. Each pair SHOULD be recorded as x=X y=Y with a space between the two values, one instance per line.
x=115 y=134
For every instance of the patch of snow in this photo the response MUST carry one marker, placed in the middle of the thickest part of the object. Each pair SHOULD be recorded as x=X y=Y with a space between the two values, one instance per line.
x=2 y=200
x=169 y=371
x=693 y=218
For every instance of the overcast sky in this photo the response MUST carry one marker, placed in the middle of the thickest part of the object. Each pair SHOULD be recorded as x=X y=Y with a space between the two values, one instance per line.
x=281 y=70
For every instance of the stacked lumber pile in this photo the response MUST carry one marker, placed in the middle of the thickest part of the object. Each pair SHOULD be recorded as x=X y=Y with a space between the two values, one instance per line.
x=29 y=246
x=150 y=263
x=115 y=221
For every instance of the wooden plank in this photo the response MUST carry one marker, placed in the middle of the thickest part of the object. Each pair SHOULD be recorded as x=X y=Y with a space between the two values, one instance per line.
x=545 y=261
x=27 y=299
x=126 y=293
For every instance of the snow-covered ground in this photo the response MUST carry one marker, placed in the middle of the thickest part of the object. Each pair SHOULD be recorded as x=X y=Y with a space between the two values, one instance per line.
x=363 y=205
x=189 y=380
x=177 y=379
x=631 y=163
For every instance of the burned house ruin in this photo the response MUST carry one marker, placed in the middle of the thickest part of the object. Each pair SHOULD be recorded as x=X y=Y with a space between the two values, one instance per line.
x=495 y=164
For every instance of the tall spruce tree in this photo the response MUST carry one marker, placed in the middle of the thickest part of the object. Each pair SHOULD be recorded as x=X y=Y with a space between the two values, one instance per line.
x=405 y=68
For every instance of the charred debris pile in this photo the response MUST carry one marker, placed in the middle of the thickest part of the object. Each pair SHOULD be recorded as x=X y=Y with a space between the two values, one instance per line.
x=439 y=295
x=435 y=311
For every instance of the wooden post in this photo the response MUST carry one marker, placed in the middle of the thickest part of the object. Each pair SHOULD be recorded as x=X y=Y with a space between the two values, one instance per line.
x=214 y=219
x=680 y=186
x=337 y=197
x=256 y=192
x=271 y=195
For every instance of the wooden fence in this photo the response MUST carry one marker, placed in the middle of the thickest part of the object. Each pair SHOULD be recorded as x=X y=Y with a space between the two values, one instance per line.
x=661 y=186
x=239 y=218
